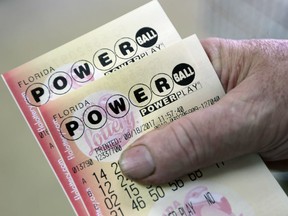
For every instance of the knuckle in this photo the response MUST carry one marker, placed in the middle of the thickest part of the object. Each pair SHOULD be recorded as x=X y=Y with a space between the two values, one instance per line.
x=185 y=134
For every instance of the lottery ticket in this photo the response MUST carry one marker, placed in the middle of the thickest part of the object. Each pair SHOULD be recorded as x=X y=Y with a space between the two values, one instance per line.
x=93 y=125
x=121 y=42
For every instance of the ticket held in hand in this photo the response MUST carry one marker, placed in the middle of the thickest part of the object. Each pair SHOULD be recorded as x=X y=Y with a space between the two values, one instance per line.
x=94 y=124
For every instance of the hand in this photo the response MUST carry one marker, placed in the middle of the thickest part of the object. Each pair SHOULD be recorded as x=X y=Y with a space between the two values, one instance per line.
x=251 y=118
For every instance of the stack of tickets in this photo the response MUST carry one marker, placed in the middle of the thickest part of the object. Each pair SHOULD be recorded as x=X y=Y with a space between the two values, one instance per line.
x=89 y=99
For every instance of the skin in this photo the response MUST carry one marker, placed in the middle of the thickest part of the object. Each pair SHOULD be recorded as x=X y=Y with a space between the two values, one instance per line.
x=251 y=118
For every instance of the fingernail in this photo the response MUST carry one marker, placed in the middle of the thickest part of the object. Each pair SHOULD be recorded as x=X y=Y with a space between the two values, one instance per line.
x=136 y=162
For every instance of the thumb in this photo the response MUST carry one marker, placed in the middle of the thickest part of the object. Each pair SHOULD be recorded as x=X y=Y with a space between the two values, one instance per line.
x=194 y=141
x=219 y=132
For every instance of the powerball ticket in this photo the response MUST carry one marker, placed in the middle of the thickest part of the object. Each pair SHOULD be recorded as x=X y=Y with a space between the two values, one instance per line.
x=93 y=125
x=126 y=40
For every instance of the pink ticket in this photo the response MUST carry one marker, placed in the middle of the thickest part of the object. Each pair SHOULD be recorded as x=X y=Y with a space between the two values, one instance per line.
x=93 y=125
x=105 y=50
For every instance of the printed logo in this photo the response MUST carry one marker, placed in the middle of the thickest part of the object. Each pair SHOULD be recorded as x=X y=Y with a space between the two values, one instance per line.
x=183 y=74
x=98 y=124
x=75 y=75
x=103 y=123
x=146 y=37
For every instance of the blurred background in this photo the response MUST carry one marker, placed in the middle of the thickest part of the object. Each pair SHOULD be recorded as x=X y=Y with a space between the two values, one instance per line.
x=32 y=27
